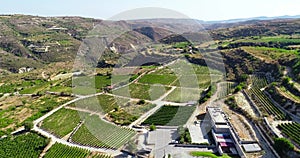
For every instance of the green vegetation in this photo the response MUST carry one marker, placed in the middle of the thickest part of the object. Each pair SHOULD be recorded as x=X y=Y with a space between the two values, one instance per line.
x=185 y=137
x=44 y=105
x=207 y=94
x=226 y=88
x=98 y=133
x=208 y=154
x=269 y=53
x=25 y=145
x=140 y=91
x=102 y=103
x=158 y=79
x=258 y=81
x=22 y=110
x=283 y=146
x=240 y=86
x=62 y=122
x=121 y=117
x=181 y=45
x=264 y=103
x=170 y=115
x=183 y=95
x=152 y=127
x=291 y=130
x=60 y=150
x=90 y=84
x=136 y=109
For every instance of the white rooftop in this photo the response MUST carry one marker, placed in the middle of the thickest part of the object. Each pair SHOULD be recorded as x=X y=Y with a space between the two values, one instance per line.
x=217 y=115
x=251 y=147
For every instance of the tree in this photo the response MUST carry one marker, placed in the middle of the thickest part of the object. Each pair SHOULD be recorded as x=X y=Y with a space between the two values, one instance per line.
x=283 y=146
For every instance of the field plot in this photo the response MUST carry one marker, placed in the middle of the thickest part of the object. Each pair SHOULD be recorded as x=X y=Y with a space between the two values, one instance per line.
x=18 y=109
x=269 y=54
x=284 y=91
x=141 y=91
x=102 y=103
x=291 y=130
x=90 y=84
x=62 y=122
x=264 y=103
x=258 y=81
x=170 y=116
x=98 y=133
x=25 y=145
x=183 y=95
x=137 y=110
x=225 y=89
x=63 y=151
x=60 y=150
x=158 y=79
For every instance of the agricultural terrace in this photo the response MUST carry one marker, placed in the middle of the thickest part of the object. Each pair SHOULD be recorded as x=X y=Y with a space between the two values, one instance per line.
x=264 y=103
x=25 y=145
x=284 y=91
x=62 y=122
x=101 y=103
x=98 y=133
x=60 y=150
x=225 y=88
x=137 y=109
x=129 y=112
x=258 y=81
x=142 y=91
x=170 y=115
x=291 y=131
x=183 y=95
x=274 y=39
x=270 y=54
x=16 y=110
x=182 y=74
x=89 y=84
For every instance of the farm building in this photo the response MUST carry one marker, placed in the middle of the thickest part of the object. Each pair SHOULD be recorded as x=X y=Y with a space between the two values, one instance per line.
x=223 y=134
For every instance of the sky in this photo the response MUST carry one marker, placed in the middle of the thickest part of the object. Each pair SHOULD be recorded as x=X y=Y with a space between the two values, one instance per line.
x=208 y=10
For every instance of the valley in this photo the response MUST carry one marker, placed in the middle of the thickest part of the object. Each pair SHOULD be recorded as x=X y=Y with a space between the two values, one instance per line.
x=230 y=90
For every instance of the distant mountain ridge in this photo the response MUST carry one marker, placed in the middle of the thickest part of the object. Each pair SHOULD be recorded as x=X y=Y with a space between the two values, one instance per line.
x=35 y=41
x=253 y=18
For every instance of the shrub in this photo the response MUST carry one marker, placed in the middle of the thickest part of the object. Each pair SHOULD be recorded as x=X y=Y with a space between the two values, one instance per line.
x=152 y=127
x=283 y=146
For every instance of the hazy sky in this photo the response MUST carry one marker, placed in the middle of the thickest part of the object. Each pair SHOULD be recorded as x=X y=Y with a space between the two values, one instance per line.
x=199 y=9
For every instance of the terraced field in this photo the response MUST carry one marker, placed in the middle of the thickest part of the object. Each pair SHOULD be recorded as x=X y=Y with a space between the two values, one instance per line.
x=258 y=81
x=270 y=54
x=141 y=91
x=102 y=103
x=25 y=145
x=291 y=130
x=63 y=151
x=225 y=89
x=98 y=133
x=62 y=122
x=158 y=79
x=170 y=116
x=264 y=103
x=183 y=95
